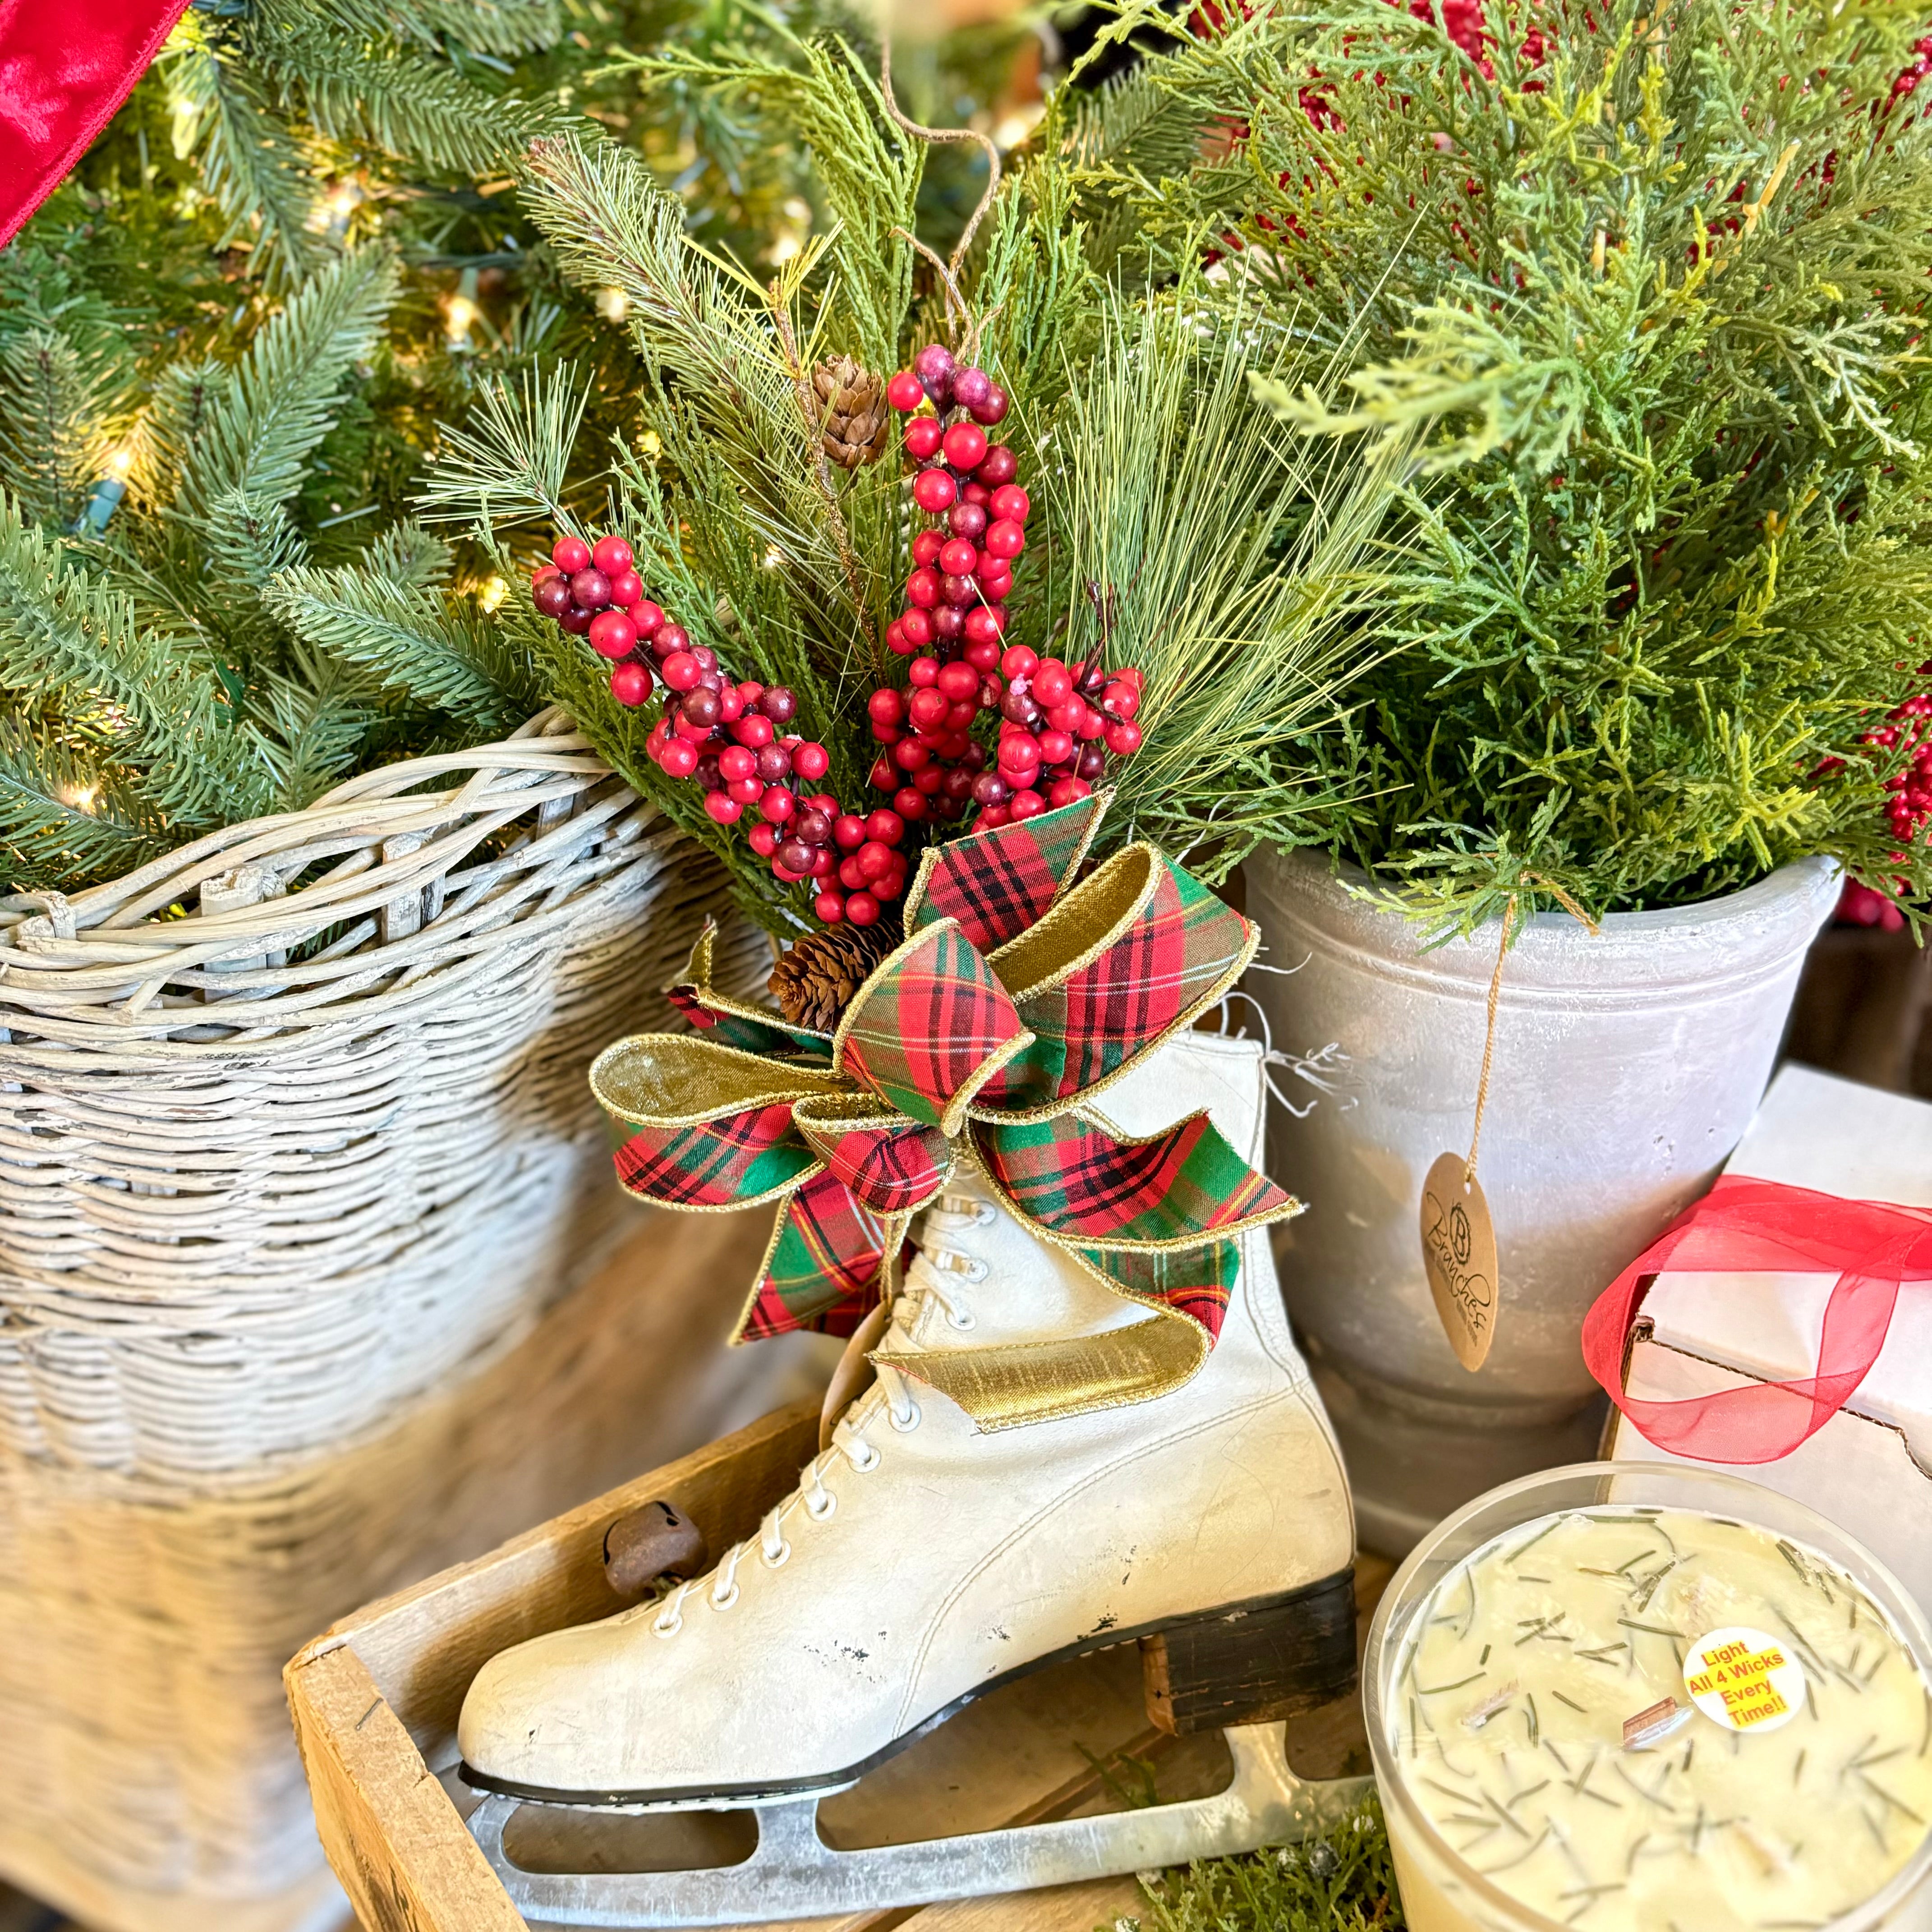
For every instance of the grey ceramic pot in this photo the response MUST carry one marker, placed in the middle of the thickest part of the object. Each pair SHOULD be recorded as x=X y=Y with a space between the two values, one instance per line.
x=1628 y=1066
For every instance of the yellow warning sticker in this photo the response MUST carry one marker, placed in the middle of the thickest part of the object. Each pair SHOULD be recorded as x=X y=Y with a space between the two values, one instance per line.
x=1744 y=1679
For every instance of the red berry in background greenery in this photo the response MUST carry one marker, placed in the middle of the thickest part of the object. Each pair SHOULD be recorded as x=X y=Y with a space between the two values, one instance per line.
x=970 y=388
x=610 y=555
x=934 y=491
x=923 y=436
x=614 y=635
x=993 y=410
x=905 y=391
x=630 y=683
x=551 y=596
x=965 y=445
x=570 y=555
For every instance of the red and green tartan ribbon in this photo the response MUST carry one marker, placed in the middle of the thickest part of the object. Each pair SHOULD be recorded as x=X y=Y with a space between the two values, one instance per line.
x=1016 y=999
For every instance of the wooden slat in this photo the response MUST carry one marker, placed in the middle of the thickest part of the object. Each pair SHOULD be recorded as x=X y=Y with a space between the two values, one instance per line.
x=391 y=1834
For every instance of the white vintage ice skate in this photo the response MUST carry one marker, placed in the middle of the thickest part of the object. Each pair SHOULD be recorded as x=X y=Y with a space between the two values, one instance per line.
x=922 y=1560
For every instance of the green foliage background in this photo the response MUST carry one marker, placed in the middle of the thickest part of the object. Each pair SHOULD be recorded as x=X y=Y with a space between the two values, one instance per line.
x=1651 y=292
x=242 y=299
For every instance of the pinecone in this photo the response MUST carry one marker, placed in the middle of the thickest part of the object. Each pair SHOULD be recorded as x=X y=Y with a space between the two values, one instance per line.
x=815 y=980
x=853 y=412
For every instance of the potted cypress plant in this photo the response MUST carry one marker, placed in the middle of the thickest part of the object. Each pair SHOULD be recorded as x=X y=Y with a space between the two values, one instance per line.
x=1647 y=281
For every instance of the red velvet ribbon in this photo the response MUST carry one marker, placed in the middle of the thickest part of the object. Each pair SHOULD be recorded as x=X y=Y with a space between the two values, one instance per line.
x=1745 y=1226
x=64 y=70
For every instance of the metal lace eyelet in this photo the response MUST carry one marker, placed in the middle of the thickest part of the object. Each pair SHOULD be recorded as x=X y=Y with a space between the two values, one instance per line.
x=728 y=1599
x=907 y=1422
x=661 y=1628
x=821 y=1505
x=962 y=1318
x=778 y=1561
x=871 y=1459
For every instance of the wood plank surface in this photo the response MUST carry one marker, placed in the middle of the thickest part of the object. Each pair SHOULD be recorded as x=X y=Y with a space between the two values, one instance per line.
x=395 y=1840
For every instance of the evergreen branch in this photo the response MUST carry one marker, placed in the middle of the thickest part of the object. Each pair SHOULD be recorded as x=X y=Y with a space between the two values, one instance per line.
x=486 y=26
x=408 y=554
x=365 y=87
x=150 y=696
x=58 y=422
x=612 y=226
x=870 y=178
x=262 y=424
x=66 y=817
x=507 y=465
x=252 y=165
x=1231 y=564
x=412 y=642
x=315 y=723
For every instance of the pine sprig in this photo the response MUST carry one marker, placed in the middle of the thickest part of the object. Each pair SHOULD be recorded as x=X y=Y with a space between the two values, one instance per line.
x=150 y=696
x=259 y=424
x=372 y=86
x=253 y=163
x=411 y=641
x=868 y=170
x=1231 y=563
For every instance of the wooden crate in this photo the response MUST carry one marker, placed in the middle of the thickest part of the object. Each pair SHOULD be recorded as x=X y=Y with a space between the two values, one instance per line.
x=375 y=1702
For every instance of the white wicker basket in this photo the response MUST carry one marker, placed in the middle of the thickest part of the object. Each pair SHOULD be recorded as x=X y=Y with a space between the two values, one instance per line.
x=294 y=1144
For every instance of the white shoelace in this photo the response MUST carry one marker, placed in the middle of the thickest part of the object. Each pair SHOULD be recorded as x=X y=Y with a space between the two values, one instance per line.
x=924 y=1281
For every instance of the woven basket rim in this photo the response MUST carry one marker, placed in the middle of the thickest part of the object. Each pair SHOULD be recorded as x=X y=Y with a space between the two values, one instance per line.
x=391 y=856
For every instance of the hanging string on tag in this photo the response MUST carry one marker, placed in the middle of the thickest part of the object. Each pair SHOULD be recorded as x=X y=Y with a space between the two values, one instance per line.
x=1459 y=1238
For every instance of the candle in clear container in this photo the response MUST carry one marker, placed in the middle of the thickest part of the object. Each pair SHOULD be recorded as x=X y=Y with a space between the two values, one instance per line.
x=1632 y=1714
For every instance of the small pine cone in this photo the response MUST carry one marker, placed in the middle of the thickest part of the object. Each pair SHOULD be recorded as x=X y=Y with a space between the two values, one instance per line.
x=815 y=979
x=853 y=412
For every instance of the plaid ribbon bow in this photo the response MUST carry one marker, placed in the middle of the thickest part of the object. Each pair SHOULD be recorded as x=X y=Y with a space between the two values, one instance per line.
x=1014 y=1001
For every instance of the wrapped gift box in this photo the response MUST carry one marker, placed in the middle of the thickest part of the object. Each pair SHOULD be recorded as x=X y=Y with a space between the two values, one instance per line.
x=1870 y=1468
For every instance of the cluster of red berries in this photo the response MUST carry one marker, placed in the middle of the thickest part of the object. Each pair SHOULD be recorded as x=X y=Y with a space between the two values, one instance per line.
x=1908 y=82
x=597 y=593
x=954 y=624
x=1910 y=805
x=1907 y=810
x=730 y=737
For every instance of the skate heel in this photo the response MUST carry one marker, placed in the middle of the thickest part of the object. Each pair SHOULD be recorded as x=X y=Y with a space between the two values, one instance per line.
x=1254 y=1663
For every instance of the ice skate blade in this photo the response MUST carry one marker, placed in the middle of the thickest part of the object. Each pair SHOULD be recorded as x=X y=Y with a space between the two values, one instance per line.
x=792 y=1873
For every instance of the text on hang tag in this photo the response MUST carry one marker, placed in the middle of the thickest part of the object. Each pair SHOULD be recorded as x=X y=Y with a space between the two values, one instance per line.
x=1458 y=1253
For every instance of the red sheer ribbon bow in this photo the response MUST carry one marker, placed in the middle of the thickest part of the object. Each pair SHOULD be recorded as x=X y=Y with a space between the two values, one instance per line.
x=1747 y=1226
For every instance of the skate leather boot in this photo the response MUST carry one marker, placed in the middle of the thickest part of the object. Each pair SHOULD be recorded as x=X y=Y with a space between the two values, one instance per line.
x=922 y=1560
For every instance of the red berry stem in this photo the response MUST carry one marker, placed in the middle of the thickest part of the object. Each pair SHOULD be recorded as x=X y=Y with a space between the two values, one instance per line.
x=730 y=737
x=1054 y=717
